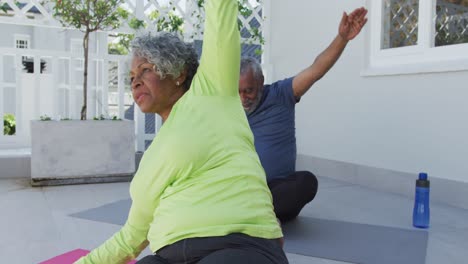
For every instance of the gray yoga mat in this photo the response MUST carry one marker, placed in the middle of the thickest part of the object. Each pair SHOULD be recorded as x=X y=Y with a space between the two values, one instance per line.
x=320 y=238
x=114 y=213
x=353 y=242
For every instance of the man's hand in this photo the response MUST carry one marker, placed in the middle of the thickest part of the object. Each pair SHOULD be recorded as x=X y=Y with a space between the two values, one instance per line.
x=351 y=24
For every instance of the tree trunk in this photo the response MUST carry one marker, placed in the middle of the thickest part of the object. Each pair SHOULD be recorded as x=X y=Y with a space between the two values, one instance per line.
x=85 y=75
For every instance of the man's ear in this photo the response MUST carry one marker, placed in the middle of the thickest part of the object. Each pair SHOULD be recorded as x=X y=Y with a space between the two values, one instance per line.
x=261 y=81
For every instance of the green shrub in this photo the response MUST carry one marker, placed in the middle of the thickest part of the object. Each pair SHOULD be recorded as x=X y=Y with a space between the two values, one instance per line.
x=9 y=124
x=45 y=118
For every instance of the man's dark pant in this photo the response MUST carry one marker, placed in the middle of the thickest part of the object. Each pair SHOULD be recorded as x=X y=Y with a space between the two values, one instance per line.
x=229 y=249
x=292 y=193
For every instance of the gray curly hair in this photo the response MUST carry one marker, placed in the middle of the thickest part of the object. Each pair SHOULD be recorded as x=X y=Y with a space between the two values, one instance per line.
x=168 y=52
x=250 y=63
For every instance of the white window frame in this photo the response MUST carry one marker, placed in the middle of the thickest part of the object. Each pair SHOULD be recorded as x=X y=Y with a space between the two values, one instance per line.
x=25 y=38
x=79 y=63
x=420 y=58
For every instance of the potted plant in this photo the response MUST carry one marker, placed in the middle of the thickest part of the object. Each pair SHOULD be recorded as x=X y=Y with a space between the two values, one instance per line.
x=83 y=151
x=76 y=151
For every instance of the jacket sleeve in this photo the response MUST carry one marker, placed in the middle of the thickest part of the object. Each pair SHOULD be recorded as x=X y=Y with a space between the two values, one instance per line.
x=218 y=73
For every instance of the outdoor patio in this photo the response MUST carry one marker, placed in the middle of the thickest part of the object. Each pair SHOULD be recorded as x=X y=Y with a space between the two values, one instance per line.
x=36 y=223
x=393 y=105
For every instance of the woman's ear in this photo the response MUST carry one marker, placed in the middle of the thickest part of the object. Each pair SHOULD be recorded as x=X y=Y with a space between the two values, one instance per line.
x=182 y=77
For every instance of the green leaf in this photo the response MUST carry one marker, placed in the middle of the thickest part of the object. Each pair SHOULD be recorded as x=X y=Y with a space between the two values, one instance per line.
x=9 y=124
x=4 y=7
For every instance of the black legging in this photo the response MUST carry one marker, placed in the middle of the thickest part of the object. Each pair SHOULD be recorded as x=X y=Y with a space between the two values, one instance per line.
x=229 y=249
x=292 y=193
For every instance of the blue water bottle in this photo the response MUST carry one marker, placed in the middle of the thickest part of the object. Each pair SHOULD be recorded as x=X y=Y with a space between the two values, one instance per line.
x=421 y=202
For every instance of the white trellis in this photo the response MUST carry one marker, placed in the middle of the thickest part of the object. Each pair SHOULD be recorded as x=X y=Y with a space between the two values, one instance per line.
x=40 y=13
x=64 y=98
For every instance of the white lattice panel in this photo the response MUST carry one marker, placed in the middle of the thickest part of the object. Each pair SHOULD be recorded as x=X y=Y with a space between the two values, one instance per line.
x=28 y=12
x=40 y=13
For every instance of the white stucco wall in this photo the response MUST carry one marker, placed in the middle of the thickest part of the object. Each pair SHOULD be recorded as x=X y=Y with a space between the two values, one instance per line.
x=8 y=32
x=407 y=123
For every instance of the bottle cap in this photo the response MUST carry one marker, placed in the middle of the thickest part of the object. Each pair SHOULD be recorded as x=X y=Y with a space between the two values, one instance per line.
x=423 y=176
x=422 y=180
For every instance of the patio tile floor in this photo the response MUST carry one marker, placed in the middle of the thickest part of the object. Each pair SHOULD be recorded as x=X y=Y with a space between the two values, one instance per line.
x=35 y=223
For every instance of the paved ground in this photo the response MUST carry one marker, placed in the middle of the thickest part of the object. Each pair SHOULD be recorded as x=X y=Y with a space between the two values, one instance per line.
x=35 y=223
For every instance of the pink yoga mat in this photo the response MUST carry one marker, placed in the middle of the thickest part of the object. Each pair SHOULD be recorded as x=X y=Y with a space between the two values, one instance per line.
x=70 y=257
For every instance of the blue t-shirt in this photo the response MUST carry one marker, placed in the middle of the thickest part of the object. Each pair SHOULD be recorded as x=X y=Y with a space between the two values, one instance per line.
x=274 y=129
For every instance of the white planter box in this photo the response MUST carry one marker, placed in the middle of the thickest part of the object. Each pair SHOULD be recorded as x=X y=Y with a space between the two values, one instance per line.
x=73 y=152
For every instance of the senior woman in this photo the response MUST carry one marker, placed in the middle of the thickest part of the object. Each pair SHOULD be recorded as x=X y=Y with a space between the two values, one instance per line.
x=199 y=195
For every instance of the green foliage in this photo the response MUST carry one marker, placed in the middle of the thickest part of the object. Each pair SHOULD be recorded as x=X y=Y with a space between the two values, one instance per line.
x=4 y=7
x=122 y=45
x=257 y=35
x=48 y=118
x=136 y=23
x=122 y=13
x=244 y=11
x=200 y=3
x=174 y=23
x=45 y=118
x=89 y=15
x=258 y=52
x=9 y=124
x=102 y=117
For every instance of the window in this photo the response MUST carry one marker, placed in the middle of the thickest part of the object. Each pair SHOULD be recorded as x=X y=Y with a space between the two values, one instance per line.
x=451 y=22
x=22 y=41
x=415 y=36
x=22 y=44
x=400 y=24
x=76 y=47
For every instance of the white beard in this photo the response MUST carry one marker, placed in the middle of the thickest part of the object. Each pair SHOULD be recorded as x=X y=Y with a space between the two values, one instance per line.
x=253 y=107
